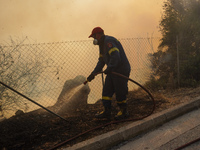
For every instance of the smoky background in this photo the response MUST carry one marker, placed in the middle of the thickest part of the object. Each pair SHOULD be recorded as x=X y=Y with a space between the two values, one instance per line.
x=64 y=20
x=40 y=70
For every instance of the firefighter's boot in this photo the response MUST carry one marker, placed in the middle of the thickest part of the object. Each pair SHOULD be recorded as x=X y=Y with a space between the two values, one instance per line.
x=122 y=114
x=106 y=114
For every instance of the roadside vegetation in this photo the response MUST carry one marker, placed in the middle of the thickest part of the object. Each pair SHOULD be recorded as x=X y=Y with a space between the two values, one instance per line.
x=177 y=62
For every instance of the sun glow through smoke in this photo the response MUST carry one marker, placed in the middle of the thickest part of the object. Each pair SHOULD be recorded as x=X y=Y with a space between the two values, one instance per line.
x=50 y=21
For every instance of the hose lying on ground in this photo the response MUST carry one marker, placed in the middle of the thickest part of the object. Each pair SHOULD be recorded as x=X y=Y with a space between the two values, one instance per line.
x=32 y=101
x=112 y=122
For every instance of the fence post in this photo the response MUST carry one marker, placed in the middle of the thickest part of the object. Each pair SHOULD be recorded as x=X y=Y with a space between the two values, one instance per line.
x=178 y=64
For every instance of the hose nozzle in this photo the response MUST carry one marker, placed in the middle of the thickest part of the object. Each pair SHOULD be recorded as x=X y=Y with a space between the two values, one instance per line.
x=85 y=82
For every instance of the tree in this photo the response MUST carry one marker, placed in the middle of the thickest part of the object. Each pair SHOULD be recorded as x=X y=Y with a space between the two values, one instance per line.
x=20 y=71
x=180 y=21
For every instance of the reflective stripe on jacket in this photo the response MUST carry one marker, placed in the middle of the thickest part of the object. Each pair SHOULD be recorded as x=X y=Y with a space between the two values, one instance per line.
x=112 y=54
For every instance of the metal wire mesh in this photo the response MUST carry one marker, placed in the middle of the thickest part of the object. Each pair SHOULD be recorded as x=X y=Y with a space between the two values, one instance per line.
x=40 y=70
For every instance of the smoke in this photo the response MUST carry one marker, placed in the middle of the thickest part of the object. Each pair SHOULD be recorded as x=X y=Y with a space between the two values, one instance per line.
x=50 y=21
x=73 y=96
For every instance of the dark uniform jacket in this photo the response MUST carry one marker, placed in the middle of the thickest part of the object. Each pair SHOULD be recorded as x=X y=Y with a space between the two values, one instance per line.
x=112 y=54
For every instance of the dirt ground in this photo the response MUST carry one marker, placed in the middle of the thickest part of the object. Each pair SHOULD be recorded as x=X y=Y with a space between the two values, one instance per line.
x=41 y=130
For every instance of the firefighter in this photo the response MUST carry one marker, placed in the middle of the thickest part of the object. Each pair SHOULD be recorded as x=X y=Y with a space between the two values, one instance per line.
x=111 y=54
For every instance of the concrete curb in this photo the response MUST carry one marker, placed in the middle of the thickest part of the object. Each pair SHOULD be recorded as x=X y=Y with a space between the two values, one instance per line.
x=109 y=139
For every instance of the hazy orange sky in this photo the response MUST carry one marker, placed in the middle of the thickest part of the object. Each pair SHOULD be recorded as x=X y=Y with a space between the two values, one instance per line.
x=61 y=20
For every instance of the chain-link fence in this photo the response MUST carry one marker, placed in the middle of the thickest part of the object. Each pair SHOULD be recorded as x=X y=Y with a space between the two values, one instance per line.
x=40 y=70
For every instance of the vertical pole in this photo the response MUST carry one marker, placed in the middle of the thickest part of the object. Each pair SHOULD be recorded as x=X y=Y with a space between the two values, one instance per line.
x=178 y=65
x=102 y=79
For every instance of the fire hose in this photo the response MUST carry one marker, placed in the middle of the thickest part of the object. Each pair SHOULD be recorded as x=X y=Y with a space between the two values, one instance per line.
x=24 y=96
x=112 y=122
x=188 y=144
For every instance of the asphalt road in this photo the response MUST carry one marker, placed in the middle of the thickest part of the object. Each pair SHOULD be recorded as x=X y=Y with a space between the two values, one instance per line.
x=169 y=136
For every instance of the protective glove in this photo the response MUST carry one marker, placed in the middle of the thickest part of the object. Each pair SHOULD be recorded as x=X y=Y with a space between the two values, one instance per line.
x=90 y=77
x=107 y=71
